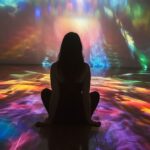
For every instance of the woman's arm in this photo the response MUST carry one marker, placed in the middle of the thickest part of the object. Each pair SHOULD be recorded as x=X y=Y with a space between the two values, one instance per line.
x=86 y=95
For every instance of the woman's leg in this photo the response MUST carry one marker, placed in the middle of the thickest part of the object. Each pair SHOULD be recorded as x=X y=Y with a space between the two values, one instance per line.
x=45 y=96
x=94 y=100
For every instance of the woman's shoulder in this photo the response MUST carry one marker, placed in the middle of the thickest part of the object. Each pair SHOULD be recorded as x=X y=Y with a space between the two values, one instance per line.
x=54 y=66
x=86 y=68
x=86 y=65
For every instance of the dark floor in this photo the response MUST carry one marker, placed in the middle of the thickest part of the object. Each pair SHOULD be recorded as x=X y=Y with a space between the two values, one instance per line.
x=124 y=111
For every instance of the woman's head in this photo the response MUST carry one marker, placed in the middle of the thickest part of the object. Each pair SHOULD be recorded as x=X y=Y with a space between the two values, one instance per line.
x=71 y=48
x=70 y=57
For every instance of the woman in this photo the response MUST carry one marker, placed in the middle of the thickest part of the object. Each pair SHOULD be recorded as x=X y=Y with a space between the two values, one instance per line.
x=70 y=100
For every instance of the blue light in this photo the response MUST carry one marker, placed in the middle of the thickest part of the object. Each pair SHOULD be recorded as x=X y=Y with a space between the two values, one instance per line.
x=87 y=7
x=117 y=4
x=46 y=63
x=74 y=2
x=22 y=6
x=7 y=130
x=98 y=58
x=38 y=12
x=49 y=8
x=114 y=3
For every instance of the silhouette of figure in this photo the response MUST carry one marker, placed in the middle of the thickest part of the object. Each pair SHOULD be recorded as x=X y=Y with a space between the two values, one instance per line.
x=69 y=101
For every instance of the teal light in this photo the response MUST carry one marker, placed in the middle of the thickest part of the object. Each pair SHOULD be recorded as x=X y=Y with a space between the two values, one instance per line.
x=11 y=3
x=118 y=4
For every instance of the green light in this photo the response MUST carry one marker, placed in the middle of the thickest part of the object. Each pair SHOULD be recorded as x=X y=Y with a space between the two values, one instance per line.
x=144 y=61
x=145 y=67
x=97 y=13
x=128 y=10
x=137 y=11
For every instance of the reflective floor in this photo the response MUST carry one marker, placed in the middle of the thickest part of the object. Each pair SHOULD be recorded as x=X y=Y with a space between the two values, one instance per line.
x=124 y=111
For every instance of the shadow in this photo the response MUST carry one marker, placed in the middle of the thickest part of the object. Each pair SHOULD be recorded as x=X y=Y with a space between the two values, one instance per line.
x=67 y=137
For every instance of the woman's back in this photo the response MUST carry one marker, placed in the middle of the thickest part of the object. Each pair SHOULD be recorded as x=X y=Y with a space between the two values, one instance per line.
x=70 y=103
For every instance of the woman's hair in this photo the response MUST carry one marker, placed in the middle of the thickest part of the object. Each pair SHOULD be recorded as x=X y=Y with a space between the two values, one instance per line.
x=70 y=58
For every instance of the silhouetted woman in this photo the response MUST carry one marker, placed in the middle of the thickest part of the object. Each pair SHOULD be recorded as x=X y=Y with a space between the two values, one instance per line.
x=70 y=100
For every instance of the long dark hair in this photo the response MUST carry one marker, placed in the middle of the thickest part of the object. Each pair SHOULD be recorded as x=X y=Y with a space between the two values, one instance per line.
x=70 y=58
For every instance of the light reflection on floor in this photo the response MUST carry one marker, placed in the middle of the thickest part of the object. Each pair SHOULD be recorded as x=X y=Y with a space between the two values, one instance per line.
x=124 y=109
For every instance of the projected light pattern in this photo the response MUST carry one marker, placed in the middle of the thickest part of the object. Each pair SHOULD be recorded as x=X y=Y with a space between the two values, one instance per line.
x=7 y=130
x=143 y=59
x=124 y=109
x=108 y=12
x=115 y=4
x=50 y=20
x=11 y=3
x=46 y=63
x=129 y=41
x=98 y=58
x=37 y=13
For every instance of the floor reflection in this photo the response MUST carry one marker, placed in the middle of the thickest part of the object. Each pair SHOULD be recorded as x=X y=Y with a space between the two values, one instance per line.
x=124 y=111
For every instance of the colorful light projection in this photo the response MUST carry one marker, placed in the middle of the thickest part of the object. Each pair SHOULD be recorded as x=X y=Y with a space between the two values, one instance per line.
x=37 y=13
x=46 y=63
x=50 y=20
x=14 y=6
x=12 y=3
x=98 y=58
x=115 y=4
x=135 y=11
x=143 y=59
x=124 y=109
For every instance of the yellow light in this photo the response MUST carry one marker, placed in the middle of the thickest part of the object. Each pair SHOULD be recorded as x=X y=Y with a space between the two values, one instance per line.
x=146 y=110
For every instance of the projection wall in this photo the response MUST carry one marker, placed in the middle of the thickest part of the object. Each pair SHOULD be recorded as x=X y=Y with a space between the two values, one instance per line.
x=114 y=33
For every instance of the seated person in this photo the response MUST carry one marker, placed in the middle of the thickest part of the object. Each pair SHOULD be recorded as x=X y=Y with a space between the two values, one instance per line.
x=70 y=100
